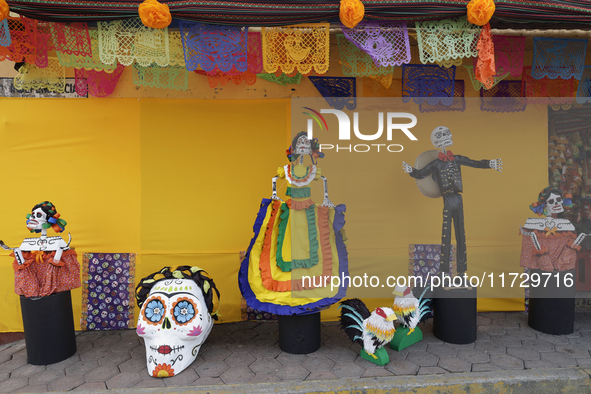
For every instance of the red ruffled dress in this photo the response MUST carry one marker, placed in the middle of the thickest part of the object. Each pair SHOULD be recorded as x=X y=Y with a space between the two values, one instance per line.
x=40 y=275
x=557 y=252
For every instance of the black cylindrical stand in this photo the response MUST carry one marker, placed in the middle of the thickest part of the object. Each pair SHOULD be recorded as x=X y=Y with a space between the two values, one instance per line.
x=454 y=315
x=49 y=328
x=552 y=303
x=299 y=334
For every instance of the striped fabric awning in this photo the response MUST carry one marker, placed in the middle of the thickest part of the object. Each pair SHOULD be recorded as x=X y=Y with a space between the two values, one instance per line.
x=568 y=14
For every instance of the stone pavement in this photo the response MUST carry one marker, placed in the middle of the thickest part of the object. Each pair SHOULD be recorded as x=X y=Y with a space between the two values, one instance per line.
x=248 y=352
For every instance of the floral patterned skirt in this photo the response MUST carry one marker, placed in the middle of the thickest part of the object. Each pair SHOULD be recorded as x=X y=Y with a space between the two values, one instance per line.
x=40 y=275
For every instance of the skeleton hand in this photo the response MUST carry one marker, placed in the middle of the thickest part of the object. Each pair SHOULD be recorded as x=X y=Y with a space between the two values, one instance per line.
x=579 y=239
x=497 y=164
x=406 y=167
x=3 y=246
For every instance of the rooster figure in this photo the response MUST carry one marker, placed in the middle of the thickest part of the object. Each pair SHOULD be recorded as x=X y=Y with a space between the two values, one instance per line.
x=370 y=330
x=411 y=311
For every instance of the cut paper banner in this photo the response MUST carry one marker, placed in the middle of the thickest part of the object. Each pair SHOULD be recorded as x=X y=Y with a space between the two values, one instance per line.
x=214 y=47
x=428 y=82
x=97 y=83
x=71 y=38
x=172 y=77
x=476 y=84
x=128 y=40
x=458 y=104
x=447 y=40
x=584 y=90
x=385 y=42
x=546 y=91
x=108 y=291
x=175 y=49
x=282 y=79
x=339 y=92
x=509 y=55
x=23 y=46
x=5 y=39
x=357 y=63
x=301 y=47
x=44 y=43
x=52 y=77
x=92 y=62
x=503 y=97
x=223 y=78
x=484 y=67
x=558 y=58
x=249 y=77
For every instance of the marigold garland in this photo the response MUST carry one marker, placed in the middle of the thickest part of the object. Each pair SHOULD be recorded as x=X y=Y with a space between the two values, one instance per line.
x=4 y=10
x=154 y=14
x=351 y=13
x=480 y=11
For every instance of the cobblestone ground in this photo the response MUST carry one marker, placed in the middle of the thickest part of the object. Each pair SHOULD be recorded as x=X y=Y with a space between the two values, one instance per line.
x=248 y=352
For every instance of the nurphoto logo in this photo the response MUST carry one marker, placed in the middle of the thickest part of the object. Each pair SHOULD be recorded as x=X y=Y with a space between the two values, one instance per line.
x=392 y=121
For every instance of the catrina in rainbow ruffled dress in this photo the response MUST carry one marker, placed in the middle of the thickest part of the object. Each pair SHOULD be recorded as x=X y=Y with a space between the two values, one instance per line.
x=298 y=246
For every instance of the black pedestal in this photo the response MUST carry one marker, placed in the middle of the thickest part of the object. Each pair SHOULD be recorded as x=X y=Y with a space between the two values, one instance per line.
x=299 y=334
x=454 y=315
x=49 y=328
x=552 y=307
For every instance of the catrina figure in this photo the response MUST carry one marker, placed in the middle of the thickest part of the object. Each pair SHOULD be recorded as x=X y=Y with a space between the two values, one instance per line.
x=550 y=242
x=44 y=265
x=294 y=239
x=178 y=308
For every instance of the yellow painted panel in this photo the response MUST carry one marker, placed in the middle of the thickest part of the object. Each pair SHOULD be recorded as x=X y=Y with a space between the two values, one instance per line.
x=82 y=155
x=180 y=182
x=206 y=165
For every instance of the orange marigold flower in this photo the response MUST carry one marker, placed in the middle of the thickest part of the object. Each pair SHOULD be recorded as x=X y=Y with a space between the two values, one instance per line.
x=351 y=13
x=163 y=371
x=4 y=10
x=480 y=11
x=154 y=14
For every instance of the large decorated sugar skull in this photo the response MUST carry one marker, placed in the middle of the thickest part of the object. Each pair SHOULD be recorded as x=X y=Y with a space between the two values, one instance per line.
x=441 y=137
x=175 y=320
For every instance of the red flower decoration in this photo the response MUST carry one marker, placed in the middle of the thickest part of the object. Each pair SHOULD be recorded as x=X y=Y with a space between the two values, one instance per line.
x=163 y=371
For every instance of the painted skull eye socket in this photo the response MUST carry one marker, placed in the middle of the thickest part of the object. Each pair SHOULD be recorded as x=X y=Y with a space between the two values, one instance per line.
x=154 y=310
x=184 y=311
x=38 y=214
x=551 y=201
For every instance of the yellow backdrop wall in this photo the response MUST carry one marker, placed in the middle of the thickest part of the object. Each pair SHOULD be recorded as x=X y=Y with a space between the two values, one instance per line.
x=180 y=182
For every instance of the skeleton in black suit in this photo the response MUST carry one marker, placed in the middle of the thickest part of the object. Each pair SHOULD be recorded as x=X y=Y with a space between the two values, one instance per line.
x=446 y=170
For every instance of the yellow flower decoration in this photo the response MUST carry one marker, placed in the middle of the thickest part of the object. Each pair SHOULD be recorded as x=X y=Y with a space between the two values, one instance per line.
x=351 y=13
x=154 y=14
x=4 y=10
x=480 y=11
